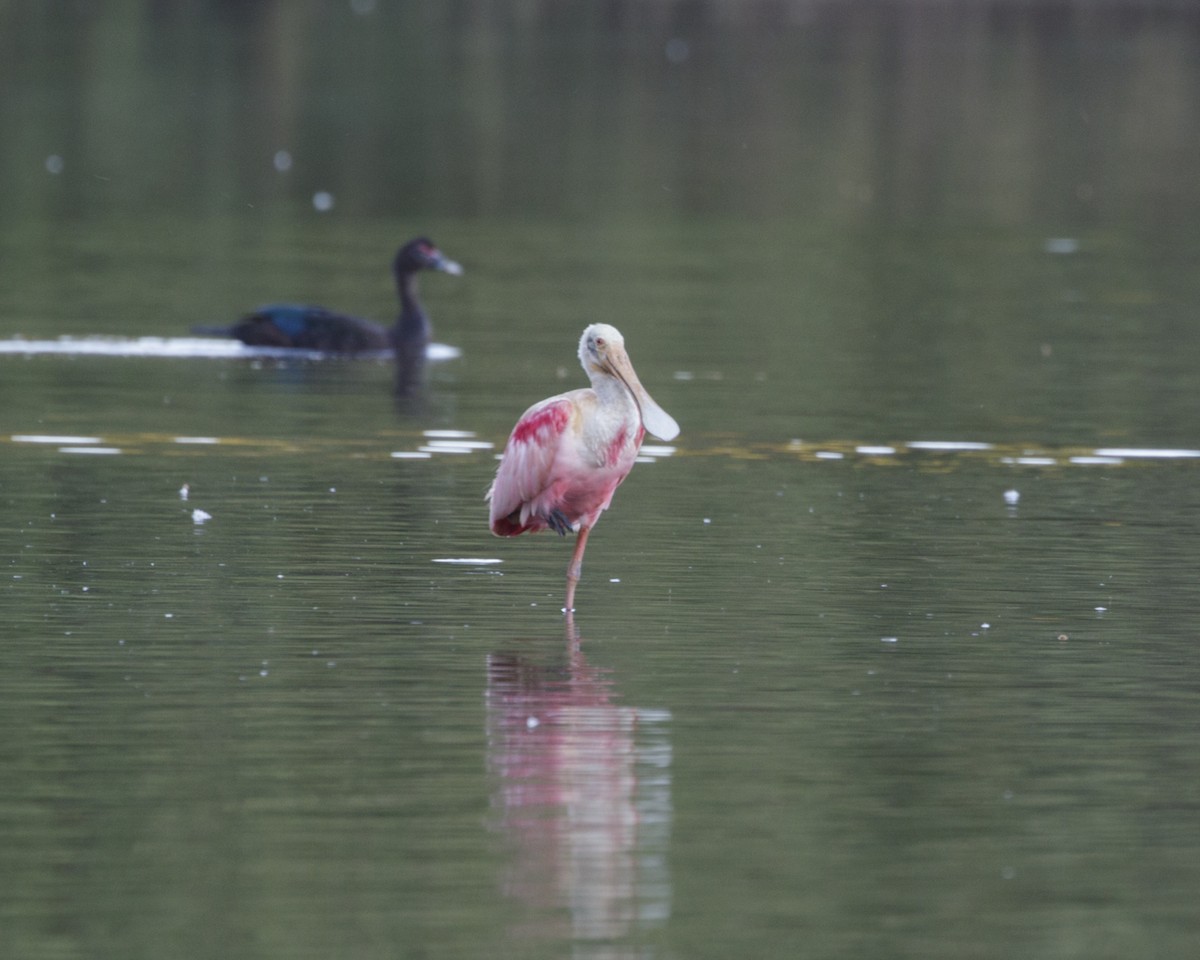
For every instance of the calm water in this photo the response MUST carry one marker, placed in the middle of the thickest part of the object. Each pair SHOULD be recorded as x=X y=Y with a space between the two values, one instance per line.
x=832 y=689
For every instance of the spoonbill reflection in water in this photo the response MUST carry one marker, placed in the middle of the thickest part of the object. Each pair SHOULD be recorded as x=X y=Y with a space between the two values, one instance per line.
x=568 y=454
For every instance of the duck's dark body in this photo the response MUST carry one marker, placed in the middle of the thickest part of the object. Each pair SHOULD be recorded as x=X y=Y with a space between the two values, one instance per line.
x=310 y=328
x=315 y=328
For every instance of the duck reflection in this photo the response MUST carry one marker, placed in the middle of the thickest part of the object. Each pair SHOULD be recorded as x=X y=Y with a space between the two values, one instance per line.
x=583 y=792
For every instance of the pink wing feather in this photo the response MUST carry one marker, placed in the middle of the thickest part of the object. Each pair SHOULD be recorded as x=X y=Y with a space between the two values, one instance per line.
x=524 y=474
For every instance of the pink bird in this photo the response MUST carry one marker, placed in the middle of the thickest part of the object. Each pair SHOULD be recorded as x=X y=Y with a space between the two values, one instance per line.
x=568 y=454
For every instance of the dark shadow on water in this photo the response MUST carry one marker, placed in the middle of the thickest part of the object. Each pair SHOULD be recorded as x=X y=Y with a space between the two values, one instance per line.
x=582 y=794
x=409 y=381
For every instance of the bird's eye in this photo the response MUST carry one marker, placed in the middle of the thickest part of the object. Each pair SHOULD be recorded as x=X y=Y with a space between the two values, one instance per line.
x=600 y=342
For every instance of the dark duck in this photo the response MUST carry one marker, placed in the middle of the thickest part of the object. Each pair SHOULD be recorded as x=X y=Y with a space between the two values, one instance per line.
x=316 y=328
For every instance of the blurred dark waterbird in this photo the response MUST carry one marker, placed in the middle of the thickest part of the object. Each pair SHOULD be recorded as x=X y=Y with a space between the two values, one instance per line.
x=316 y=328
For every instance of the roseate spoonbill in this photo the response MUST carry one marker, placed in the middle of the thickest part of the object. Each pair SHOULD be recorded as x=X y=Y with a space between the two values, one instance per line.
x=568 y=454
x=316 y=328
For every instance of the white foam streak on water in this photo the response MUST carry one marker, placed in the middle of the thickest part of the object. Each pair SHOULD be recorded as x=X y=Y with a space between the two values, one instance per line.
x=457 y=446
x=454 y=446
x=51 y=438
x=1154 y=453
x=195 y=347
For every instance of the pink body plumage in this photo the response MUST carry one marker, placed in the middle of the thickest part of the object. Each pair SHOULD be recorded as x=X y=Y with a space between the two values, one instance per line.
x=552 y=465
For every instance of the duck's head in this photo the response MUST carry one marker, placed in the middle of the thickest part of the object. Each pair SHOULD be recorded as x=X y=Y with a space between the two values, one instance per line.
x=421 y=254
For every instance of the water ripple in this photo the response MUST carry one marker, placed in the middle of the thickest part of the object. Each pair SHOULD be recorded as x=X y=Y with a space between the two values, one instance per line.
x=430 y=444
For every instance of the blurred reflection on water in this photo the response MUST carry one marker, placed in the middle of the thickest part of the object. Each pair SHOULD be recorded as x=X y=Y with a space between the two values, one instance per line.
x=583 y=794
x=761 y=108
x=885 y=262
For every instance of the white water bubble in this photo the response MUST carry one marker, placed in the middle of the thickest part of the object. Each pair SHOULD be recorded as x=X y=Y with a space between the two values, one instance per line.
x=677 y=50
x=1061 y=245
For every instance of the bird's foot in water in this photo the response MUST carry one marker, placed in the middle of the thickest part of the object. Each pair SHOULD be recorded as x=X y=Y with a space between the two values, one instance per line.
x=558 y=522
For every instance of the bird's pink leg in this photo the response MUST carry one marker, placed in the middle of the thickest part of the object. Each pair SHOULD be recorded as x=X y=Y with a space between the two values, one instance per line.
x=575 y=567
